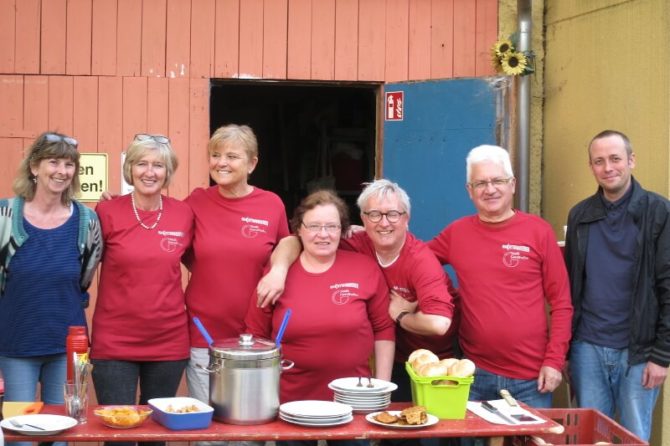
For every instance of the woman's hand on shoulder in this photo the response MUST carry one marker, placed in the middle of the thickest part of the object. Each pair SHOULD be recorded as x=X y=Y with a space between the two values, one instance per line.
x=352 y=230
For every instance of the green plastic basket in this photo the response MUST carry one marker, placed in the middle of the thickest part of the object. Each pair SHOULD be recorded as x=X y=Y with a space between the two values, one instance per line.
x=446 y=397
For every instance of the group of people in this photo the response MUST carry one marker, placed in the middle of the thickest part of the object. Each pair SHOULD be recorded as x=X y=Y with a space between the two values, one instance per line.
x=523 y=312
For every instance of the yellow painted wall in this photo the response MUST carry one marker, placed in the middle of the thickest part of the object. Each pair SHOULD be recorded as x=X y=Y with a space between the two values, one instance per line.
x=607 y=65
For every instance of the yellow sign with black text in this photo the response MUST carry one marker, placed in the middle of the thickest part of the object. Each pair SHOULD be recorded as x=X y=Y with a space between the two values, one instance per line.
x=92 y=176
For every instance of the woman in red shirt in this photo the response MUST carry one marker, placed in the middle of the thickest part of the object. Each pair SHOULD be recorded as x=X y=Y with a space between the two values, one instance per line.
x=339 y=302
x=140 y=329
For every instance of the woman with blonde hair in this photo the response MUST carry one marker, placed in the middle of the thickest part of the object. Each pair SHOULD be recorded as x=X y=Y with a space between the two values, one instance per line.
x=50 y=246
x=236 y=227
x=140 y=329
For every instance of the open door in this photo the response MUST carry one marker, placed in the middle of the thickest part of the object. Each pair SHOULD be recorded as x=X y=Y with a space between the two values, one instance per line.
x=429 y=128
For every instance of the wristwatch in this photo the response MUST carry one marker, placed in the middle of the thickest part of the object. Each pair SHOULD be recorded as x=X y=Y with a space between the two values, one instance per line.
x=401 y=315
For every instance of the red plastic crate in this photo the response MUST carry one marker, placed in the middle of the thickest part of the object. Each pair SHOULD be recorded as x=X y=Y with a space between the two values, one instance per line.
x=583 y=427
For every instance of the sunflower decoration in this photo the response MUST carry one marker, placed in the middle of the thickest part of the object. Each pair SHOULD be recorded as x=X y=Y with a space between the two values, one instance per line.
x=514 y=63
x=507 y=60
x=502 y=47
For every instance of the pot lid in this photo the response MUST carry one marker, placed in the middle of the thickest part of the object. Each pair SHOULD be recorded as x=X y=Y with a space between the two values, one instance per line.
x=243 y=348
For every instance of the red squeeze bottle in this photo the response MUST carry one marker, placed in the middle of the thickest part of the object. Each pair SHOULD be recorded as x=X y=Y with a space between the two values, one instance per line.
x=76 y=342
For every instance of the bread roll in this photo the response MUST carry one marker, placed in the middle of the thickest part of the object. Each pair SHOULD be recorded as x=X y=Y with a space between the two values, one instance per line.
x=463 y=369
x=449 y=363
x=433 y=369
x=416 y=353
x=425 y=357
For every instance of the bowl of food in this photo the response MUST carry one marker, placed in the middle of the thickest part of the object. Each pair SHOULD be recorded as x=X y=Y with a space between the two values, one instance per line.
x=122 y=417
x=181 y=413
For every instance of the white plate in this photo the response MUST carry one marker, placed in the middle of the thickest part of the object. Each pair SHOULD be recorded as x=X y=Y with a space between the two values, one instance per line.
x=344 y=398
x=432 y=419
x=52 y=424
x=317 y=423
x=360 y=409
x=313 y=420
x=351 y=385
x=362 y=403
x=315 y=409
x=369 y=406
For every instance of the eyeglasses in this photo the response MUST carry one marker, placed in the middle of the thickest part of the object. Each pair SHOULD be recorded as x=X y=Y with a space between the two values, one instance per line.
x=53 y=137
x=315 y=228
x=496 y=182
x=391 y=216
x=160 y=139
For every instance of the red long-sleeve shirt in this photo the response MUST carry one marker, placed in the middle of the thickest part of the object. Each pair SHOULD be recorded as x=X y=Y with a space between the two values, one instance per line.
x=506 y=272
x=416 y=276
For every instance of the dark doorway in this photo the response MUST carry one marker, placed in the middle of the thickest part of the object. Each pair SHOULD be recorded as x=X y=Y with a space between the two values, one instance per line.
x=310 y=136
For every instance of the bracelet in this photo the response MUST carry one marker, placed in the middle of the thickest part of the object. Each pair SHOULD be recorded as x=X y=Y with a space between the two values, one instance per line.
x=400 y=316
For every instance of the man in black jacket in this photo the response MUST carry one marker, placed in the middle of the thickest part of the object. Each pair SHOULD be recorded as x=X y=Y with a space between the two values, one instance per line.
x=618 y=259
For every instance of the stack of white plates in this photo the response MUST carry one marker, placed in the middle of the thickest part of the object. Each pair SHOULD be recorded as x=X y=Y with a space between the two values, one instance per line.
x=315 y=413
x=363 y=395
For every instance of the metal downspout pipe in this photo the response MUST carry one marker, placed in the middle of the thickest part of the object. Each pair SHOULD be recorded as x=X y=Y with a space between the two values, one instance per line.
x=522 y=168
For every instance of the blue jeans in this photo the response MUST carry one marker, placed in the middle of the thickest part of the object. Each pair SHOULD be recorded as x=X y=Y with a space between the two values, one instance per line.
x=21 y=376
x=116 y=382
x=603 y=379
x=487 y=386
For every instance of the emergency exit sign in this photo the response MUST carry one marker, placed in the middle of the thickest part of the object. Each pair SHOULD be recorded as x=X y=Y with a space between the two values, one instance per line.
x=395 y=103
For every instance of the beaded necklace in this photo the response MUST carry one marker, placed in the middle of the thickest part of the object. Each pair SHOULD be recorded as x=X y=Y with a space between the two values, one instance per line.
x=137 y=215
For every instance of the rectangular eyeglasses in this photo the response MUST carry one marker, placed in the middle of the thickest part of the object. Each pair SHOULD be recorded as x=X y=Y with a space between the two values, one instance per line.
x=315 y=228
x=496 y=182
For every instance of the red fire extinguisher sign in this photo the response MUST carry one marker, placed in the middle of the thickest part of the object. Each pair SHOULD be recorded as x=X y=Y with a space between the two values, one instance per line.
x=395 y=103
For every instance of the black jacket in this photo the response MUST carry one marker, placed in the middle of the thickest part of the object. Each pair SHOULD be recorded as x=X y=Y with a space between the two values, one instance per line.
x=650 y=313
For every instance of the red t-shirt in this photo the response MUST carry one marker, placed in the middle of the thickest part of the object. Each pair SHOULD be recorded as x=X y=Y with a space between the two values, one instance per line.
x=416 y=275
x=140 y=314
x=336 y=317
x=232 y=243
x=506 y=272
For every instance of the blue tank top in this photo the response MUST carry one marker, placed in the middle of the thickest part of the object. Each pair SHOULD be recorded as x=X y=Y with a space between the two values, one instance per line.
x=43 y=296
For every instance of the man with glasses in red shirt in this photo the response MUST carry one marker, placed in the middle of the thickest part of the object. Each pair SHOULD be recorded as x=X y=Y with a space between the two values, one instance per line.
x=508 y=265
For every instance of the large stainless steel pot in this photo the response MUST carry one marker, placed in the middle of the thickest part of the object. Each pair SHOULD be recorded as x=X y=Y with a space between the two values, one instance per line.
x=244 y=379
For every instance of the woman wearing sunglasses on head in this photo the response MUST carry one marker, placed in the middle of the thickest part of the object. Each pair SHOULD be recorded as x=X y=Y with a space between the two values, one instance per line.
x=140 y=330
x=50 y=246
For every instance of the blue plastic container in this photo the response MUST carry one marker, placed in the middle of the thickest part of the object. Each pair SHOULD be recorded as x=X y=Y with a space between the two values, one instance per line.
x=166 y=412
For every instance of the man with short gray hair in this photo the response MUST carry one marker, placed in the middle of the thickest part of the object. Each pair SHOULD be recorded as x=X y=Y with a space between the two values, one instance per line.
x=508 y=265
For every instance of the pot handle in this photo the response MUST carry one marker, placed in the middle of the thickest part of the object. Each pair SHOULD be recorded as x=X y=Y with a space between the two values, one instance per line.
x=286 y=364
x=207 y=369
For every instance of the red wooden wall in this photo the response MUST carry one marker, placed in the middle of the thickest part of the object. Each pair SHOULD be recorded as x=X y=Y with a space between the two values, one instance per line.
x=103 y=70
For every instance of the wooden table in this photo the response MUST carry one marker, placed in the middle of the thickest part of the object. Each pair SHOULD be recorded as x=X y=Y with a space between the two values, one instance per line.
x=359 y=428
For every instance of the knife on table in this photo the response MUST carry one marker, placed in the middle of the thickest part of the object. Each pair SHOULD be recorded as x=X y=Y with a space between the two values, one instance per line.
x=523 y=416
x=494 y=410
x=508 y=398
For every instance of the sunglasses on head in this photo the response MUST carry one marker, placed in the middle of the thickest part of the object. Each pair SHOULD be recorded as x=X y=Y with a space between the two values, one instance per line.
x=160 y=139
x=53 y=137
